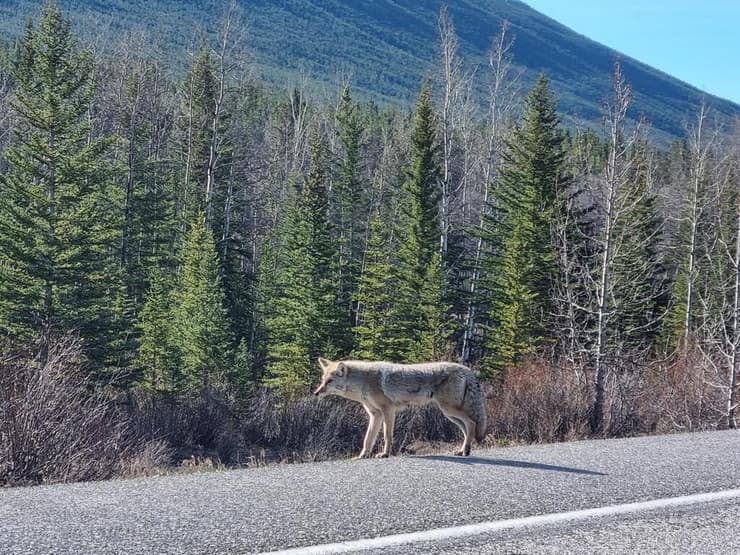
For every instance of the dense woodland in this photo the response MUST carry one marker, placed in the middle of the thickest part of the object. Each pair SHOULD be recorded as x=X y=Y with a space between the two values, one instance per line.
x=204 y=236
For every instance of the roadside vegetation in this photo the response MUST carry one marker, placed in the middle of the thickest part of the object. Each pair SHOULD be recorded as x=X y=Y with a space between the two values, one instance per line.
x=175 y=253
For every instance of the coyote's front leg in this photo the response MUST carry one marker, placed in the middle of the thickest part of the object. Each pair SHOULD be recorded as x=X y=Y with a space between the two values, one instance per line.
x=373 y=427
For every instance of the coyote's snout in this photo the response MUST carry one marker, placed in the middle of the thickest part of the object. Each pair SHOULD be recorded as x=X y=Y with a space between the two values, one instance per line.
x=384 y=388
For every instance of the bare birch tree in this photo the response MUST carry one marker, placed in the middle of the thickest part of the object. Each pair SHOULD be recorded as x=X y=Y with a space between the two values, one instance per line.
x=502 y=96
x=455 y=111
x=694 y=217
x=624 y=270
x=720 y=300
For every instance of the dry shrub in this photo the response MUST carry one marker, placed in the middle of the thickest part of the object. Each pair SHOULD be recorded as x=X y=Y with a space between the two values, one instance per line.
x=200 y=425
x=625 y=389
x=540 y=402
x=423 y=425
x=55 y=426
x=303 y=428
x=154 y=458
x=311 y=429
x=683 y=395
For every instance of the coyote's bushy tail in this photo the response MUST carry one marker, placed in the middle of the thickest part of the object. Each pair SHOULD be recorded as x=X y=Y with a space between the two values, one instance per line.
x=475 y=406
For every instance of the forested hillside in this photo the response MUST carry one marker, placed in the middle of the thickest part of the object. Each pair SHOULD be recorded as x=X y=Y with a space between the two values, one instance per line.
x=177 y=249
x=389 y=47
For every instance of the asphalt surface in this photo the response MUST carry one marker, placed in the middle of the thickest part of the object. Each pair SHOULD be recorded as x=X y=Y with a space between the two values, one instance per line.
x=288 y=506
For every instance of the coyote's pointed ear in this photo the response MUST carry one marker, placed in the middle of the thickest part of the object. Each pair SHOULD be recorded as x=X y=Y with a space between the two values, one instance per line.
x=324 y=363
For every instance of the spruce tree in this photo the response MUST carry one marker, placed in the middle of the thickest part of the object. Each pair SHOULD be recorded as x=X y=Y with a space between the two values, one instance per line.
x=202 y=329
x=350 y=201
x=140 y=114
x=303 y=316
x=692 y=161
x=200 y=98
x=419 y=231
x=640 y=294
x=374 y=297
x=159 y=356
x=331 y=325
x=520 y=262
x=58 y=213
x=287 y=305
x=434 y=325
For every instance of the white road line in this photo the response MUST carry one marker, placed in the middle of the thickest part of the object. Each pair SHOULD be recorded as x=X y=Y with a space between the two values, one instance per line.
x=498 y=525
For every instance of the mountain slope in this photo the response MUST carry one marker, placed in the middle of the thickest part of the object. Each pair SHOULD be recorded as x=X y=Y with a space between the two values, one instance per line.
x=388 y=46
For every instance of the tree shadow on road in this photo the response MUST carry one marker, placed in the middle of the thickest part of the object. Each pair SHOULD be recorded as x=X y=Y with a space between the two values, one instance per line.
x=510 y=463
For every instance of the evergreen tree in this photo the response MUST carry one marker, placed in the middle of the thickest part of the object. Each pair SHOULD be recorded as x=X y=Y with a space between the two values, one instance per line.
x=639 y=290
x=350 y=204
x=520 y=263
x=159 y=359
x=199 y=101
x=434 y=326
x=419 y=232
x=374 y=297
x=287 y=304
x=57 y=209
x=139 y=112
x=242 y=376
x=331 y=325
x=202 y=328
x=691 y=161
x=421 y=192
x=303 y=317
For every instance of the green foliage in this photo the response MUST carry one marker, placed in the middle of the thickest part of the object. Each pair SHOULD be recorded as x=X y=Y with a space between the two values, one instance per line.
x=330 y=327
x=695 y=202
x=637 y=269
x=197 y=106
x=202 y=329
x=58 y=212
x=376 y=339
x=159 y=357
x=419 y=238
x=288 y=306
x=303 y=317
x=144 y=210
x=434 y=325
x=422 y=192
x=139 y=113
x=350 y=202
x=242 y=376
x=520 y=262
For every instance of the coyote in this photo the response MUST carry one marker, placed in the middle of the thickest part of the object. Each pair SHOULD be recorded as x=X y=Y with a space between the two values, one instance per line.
x=385 y=387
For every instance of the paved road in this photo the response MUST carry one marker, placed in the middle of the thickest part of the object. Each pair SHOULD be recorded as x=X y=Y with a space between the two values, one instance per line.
x=289 y=506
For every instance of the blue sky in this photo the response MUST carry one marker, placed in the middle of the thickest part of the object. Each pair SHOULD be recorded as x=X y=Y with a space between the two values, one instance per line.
x=697 y=41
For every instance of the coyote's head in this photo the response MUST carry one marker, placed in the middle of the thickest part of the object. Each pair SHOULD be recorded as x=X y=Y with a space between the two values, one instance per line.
x=334 y=378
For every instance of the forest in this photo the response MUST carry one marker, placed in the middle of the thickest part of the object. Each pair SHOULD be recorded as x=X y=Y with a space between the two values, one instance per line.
x=178 y=248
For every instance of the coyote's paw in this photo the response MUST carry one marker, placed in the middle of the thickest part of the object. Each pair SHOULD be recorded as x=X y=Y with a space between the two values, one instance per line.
x=360 y=456
x=382 y=456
